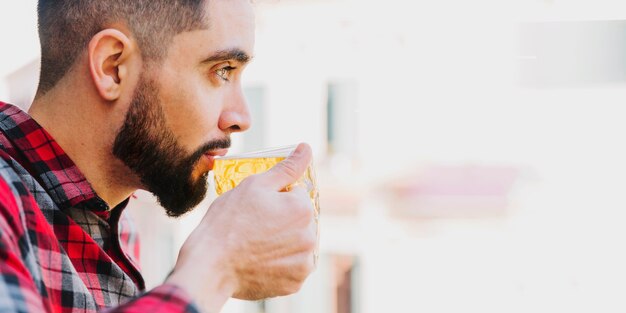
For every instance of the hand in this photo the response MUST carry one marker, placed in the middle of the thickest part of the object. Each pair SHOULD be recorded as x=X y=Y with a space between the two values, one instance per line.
x=255 y=241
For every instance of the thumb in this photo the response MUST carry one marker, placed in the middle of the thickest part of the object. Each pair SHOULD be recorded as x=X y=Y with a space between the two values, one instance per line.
x=289 y=170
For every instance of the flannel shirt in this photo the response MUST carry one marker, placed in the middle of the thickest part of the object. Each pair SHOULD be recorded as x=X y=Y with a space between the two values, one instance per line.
x=62 y=249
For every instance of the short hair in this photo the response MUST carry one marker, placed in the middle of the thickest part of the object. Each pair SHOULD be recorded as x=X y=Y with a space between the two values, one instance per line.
x=67 y=26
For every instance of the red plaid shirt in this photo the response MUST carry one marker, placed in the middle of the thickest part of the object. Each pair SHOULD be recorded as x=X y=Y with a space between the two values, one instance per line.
x=62 y=249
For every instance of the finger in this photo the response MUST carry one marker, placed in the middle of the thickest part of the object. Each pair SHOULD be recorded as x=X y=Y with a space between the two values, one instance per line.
x=290 y=169
x=298 y=267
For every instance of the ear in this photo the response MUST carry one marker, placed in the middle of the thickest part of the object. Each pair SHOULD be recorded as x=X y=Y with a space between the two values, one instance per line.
x=109 y=51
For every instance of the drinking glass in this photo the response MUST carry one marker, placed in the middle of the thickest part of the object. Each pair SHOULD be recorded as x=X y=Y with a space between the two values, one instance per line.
x=229 y=171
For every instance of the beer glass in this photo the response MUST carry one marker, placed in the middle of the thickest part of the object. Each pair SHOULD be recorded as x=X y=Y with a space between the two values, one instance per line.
x=229 y=171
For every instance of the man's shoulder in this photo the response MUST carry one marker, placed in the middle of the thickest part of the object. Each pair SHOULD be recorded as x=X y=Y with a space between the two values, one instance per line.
x=14 y=177
x=15 y=200
x=12 y=170
x=20 y=208
x=7 y=149
x=11 y=184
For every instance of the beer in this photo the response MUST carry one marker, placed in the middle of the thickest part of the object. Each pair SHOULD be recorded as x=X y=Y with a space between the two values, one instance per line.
x=230 y=172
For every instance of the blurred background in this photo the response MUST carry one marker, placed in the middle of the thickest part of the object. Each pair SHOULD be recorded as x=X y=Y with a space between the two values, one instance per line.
x=470 y=154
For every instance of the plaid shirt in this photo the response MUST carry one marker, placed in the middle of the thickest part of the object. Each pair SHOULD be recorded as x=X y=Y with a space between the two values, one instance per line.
x=62 y=249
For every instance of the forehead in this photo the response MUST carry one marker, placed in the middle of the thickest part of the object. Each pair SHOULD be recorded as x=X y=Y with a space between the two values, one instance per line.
x=227 y=18
x=231 y=26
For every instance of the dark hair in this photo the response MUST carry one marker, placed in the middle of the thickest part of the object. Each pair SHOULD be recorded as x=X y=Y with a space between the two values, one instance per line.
x=67 y=26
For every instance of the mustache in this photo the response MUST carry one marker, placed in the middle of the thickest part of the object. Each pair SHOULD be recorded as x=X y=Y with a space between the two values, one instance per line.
x=223 y=143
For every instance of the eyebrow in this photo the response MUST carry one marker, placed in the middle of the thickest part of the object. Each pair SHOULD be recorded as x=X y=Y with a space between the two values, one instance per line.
x=231 y=54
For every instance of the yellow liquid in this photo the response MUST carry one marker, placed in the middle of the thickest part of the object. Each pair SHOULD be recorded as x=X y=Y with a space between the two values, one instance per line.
x=231 y=172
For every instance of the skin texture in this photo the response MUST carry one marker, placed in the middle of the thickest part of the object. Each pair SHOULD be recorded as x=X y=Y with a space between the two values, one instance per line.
x=144 y=125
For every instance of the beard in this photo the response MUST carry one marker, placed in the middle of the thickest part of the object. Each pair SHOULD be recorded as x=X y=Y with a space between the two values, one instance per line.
x=149 y=148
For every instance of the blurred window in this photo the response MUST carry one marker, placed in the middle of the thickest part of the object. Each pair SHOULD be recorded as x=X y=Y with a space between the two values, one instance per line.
x=341 y=118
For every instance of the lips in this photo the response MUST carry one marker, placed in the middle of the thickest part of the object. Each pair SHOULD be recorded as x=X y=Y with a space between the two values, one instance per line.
x=218 y=152
x=210 y=156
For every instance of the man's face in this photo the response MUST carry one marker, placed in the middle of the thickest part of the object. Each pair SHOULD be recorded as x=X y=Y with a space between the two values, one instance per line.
x=183 y=112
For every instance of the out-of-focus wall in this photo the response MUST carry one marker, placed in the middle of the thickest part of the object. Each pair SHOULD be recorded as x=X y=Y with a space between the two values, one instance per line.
x=20 y=48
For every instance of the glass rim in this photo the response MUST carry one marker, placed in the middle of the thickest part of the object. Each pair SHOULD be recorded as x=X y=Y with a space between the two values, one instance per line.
x=282 y=151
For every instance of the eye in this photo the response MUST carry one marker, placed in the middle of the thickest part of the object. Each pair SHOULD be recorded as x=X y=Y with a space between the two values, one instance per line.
x=224 y=72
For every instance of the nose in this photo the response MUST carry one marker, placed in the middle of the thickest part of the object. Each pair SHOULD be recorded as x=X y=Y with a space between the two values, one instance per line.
x=236 y=116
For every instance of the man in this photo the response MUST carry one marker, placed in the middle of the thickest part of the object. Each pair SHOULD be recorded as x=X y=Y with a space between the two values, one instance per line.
x=141 y=94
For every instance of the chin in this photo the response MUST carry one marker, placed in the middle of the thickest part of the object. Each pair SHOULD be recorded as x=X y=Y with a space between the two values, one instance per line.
x=186 y=199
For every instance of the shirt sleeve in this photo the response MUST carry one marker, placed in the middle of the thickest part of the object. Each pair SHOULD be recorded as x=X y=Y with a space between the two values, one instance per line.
x=166 y=298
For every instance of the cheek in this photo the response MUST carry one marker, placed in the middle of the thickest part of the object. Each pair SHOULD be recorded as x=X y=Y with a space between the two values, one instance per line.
x=192 y=114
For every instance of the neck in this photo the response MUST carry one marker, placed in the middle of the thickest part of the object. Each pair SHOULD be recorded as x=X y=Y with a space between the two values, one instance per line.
x=86 y=132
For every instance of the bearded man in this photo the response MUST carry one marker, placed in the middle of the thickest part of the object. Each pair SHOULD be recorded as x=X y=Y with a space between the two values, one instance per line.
x=141 y=94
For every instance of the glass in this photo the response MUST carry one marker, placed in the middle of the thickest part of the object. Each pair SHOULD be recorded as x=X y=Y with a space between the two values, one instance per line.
x=229 y=171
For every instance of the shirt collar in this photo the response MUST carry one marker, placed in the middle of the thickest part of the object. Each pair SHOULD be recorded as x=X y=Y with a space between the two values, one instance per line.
x=35 y=149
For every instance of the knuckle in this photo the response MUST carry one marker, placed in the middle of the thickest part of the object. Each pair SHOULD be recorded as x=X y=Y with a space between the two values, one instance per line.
x=295 y=286
x=287 y=290
x=284 y=291
x=304 y=268
x=306 y=241
x=309 y=242
x=289 y=287
x=303 y=272
x=298 y=273
x=308 y=267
